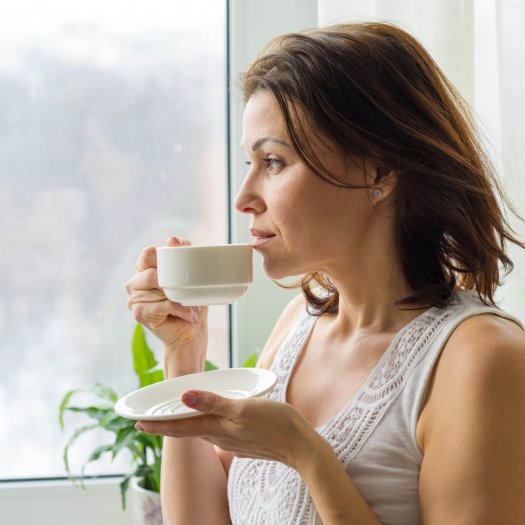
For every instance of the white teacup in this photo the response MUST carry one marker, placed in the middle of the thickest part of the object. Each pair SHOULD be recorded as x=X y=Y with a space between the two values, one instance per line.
x=205 y=275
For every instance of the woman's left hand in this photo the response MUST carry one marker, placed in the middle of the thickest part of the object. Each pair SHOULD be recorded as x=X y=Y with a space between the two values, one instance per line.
x=254 y=428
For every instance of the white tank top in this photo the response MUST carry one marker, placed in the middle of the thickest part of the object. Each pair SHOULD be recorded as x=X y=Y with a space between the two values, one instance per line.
x=374 y=435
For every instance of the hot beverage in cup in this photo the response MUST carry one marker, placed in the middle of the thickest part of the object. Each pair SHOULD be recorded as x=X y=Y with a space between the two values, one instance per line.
x=205 y=275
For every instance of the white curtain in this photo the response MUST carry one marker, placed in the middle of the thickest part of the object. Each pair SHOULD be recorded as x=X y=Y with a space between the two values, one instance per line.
x=510 y=31
x=480 y=45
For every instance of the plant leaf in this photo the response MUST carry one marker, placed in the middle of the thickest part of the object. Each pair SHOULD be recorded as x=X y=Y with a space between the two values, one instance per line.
x=102 y=449
x=102 y=392
x=93 y=412
x=144 y=362
x=125 y=439
x=118 y=423
x=143 y=358
x=251 y=362
x=105 y=392
x=155 y=375
x=150 y=483
x=63 y=406
x=209 y=366
x=124 y=485
x=143 y=471
x=148 y=441
x=70 y=442
x=156 y=473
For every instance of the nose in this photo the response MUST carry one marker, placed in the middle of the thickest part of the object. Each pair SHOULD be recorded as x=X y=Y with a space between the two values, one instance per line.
x=248 y=198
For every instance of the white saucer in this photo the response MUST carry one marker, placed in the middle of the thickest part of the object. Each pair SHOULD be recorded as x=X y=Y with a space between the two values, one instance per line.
x=162 y=400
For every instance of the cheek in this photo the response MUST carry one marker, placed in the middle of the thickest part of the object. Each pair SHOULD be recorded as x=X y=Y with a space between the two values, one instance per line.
x=296 y=216
x=331 y=222
x=312 y=210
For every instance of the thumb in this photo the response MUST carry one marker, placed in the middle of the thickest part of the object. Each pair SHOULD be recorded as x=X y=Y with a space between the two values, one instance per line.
x=175 y=241
x=207 y=402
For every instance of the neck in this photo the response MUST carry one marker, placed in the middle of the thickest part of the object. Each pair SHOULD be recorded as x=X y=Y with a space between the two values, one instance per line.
x=367 y=296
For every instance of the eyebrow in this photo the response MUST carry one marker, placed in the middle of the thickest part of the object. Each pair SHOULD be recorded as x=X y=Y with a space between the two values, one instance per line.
x=258 y=143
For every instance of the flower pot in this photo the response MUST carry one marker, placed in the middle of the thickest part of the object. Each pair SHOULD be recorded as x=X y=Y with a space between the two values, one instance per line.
x=145 y=504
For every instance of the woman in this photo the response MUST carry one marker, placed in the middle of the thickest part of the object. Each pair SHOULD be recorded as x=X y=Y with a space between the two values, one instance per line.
x=401 y=386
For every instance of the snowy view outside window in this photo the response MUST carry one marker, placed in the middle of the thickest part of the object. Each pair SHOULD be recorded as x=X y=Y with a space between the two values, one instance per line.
x=112 y=137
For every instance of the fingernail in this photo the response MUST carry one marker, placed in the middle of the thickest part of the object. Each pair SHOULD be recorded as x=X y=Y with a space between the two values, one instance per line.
x=173 y=239
x=139 y=427
x=191 y=399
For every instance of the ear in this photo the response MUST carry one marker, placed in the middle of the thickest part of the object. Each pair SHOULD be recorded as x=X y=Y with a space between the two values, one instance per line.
x=384 y=183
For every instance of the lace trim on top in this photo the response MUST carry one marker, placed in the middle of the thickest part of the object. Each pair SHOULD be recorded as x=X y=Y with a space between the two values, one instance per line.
x=267 y=492
x=348 y=429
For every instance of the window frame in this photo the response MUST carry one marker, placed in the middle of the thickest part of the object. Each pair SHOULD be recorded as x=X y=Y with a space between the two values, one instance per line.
x=249 y=27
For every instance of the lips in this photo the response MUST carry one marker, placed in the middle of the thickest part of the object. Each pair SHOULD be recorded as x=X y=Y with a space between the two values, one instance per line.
x=262 y=237
x=261 y=234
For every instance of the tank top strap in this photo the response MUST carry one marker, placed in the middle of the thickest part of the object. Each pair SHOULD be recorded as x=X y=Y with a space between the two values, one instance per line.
x=466 y=305
x=288 y=353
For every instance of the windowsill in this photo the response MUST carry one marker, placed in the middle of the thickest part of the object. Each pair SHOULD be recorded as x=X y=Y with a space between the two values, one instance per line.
x=41 y=501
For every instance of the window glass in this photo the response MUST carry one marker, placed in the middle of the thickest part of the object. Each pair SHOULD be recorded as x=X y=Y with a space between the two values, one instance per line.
x=112 y=137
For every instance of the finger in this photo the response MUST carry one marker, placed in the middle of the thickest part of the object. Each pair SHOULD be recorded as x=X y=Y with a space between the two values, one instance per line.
x=196 y=426
x=157 y=428
x=175 y=241
x=153 y=297
x=147 y=259
x=144 y=280
x=209 y=403
x=155 y=312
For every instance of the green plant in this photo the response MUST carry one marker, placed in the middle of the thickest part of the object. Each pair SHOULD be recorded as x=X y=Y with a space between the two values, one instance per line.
x=146 y=450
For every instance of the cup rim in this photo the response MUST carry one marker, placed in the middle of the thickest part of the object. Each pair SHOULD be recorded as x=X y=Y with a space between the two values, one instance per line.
x=204 y=246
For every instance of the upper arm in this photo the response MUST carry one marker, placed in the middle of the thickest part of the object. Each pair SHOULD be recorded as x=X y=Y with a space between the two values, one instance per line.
x=473 y=470
x=277 y=337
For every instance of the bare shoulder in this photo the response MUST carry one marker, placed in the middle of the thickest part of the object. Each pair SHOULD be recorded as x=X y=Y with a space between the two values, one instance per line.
x=281 y=329
x=483 y=352
x=483 y=346
x=489 y=327
x=473 y=417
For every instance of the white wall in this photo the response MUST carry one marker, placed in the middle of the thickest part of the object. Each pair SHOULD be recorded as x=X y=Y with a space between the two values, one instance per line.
x=444 y=27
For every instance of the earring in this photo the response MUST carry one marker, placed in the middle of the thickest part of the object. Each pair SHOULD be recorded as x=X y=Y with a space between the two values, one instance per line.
x=378 y=193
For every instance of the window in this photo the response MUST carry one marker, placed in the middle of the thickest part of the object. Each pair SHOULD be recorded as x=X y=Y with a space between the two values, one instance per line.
x=112 y=137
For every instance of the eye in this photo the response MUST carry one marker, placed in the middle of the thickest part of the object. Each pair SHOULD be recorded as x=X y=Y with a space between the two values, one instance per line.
x=273 y=164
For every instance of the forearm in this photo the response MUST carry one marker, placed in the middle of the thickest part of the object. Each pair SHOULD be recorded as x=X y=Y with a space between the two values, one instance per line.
x=187 y=363
x=193 y=483
x=191 y=471
x=336 y=498
x=187 y=357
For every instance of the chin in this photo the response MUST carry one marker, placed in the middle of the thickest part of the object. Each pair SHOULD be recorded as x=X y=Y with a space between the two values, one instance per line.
x=272 y=272
x=275 y=270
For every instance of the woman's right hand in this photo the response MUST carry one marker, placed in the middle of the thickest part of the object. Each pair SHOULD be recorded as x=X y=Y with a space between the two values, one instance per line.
x=175 y=325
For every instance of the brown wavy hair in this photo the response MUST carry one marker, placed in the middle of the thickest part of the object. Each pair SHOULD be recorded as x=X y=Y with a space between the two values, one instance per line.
x=375 y=92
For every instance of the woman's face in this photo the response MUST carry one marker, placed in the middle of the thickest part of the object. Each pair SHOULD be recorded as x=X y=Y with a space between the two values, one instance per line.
x=300 y=222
